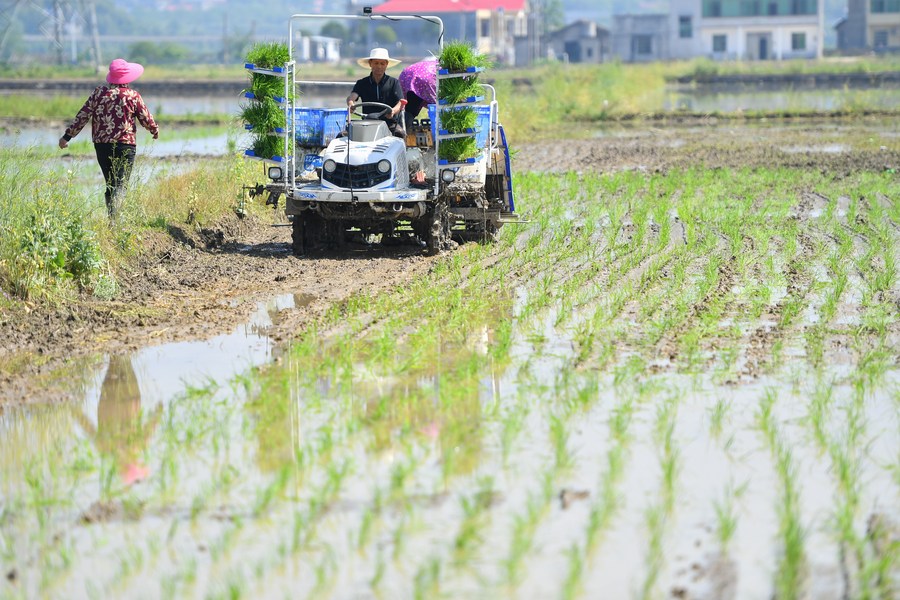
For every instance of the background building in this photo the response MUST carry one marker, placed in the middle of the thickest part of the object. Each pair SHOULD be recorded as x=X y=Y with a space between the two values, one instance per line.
x=745 y=29
x=641 y=38
x=870 y=25
x=490 y=25
x=579 y=42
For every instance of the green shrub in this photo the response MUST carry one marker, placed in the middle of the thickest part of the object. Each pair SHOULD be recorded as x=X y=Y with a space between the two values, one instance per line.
x=47 y=245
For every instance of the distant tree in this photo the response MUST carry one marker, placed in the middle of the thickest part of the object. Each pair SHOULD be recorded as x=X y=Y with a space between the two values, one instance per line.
x=334 y=29
x=385 y=35
x=552 y=14
x=160 y=54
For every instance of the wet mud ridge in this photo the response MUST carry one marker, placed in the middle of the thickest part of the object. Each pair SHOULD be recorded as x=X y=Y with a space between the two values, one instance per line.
x=191 y=284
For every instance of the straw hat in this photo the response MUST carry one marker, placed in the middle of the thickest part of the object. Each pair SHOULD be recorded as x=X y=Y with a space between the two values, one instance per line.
x=377 y=54
x=122 y=71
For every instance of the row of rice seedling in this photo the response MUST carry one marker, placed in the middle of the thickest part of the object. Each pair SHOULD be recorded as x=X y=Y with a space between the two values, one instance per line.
x=534 y=409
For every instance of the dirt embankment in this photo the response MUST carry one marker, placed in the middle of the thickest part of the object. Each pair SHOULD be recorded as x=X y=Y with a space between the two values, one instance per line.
x=193 y=284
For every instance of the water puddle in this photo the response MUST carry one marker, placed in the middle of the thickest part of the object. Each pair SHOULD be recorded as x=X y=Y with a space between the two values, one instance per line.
x=826 y=149
x=817 y=100
x=186 y=142
x=119 y=390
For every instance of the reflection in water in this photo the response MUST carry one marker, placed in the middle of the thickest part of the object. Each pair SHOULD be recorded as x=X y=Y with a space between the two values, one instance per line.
x=437 y=386
x=121 y=433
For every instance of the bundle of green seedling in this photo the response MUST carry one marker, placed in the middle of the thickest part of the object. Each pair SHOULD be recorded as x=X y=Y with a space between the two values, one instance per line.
x=264 y=114
x=458 y=149
x=459 y=56
x=458 y=120
x=456 y=57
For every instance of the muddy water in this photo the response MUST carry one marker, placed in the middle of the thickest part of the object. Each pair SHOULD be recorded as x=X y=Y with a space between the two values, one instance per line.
x=188 y=141
x=114 y=391
x=792 y=100
x=225 y=451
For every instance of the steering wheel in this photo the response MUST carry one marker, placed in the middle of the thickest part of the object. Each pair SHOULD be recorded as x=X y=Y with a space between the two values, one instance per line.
x=358 y=106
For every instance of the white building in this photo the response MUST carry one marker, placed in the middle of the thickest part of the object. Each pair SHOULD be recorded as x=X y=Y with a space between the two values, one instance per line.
x=746 y=29
x=318 y=48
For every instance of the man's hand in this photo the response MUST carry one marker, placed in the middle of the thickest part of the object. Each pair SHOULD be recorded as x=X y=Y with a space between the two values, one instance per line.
x=63 y=143
x=156 y=136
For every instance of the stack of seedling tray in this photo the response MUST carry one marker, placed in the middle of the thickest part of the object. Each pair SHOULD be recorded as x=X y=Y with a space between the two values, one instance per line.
x=458 y=92
x=264 y=115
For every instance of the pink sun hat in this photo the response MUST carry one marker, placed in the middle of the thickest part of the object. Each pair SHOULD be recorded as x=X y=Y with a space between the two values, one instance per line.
x=122 y=71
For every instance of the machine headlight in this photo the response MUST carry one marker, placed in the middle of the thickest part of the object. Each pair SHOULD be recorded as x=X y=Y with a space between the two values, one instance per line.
x=275 y=173
x=448 y=175
x=384 y=166
x=329 y=166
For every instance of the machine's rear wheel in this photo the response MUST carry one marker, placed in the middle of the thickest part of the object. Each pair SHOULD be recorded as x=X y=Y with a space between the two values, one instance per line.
x=437 y=229
x=485 y=231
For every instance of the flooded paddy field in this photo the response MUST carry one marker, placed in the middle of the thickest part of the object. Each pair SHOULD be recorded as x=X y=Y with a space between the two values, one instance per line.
x=679 y=379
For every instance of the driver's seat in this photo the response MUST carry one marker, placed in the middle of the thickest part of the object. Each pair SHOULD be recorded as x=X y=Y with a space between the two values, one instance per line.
x=368 y=130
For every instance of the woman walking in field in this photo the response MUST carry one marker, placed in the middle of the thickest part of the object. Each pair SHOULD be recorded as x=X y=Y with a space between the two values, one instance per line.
x=112 y=110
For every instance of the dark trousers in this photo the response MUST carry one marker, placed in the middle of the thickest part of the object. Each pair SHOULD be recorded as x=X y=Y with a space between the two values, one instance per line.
x=116 y=161
x=414 y=106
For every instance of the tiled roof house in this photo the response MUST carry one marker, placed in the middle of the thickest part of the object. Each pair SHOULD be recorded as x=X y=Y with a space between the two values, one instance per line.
x=490 y=25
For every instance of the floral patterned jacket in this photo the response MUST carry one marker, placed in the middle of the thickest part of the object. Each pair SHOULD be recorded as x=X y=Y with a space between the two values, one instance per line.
x=112 y=110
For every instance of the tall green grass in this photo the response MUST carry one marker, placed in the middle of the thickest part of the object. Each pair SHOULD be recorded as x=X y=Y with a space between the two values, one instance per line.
x=49 y=242
x=57 y=241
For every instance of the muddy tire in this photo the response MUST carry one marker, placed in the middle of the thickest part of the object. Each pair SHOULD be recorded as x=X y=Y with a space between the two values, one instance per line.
x=336 y=234
x=307 y=233
x=437 y=230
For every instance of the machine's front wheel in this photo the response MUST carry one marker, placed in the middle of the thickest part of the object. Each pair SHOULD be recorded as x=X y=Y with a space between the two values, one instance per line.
x=307 y=233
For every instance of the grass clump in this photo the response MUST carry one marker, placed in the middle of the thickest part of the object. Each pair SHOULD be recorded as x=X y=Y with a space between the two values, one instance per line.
x=266 y=87
x=457 y=57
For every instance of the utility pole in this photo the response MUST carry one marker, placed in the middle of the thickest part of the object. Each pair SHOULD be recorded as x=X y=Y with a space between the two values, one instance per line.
x=58 y=23
x=224 y=38
x=90 y=7
x=820 y=41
